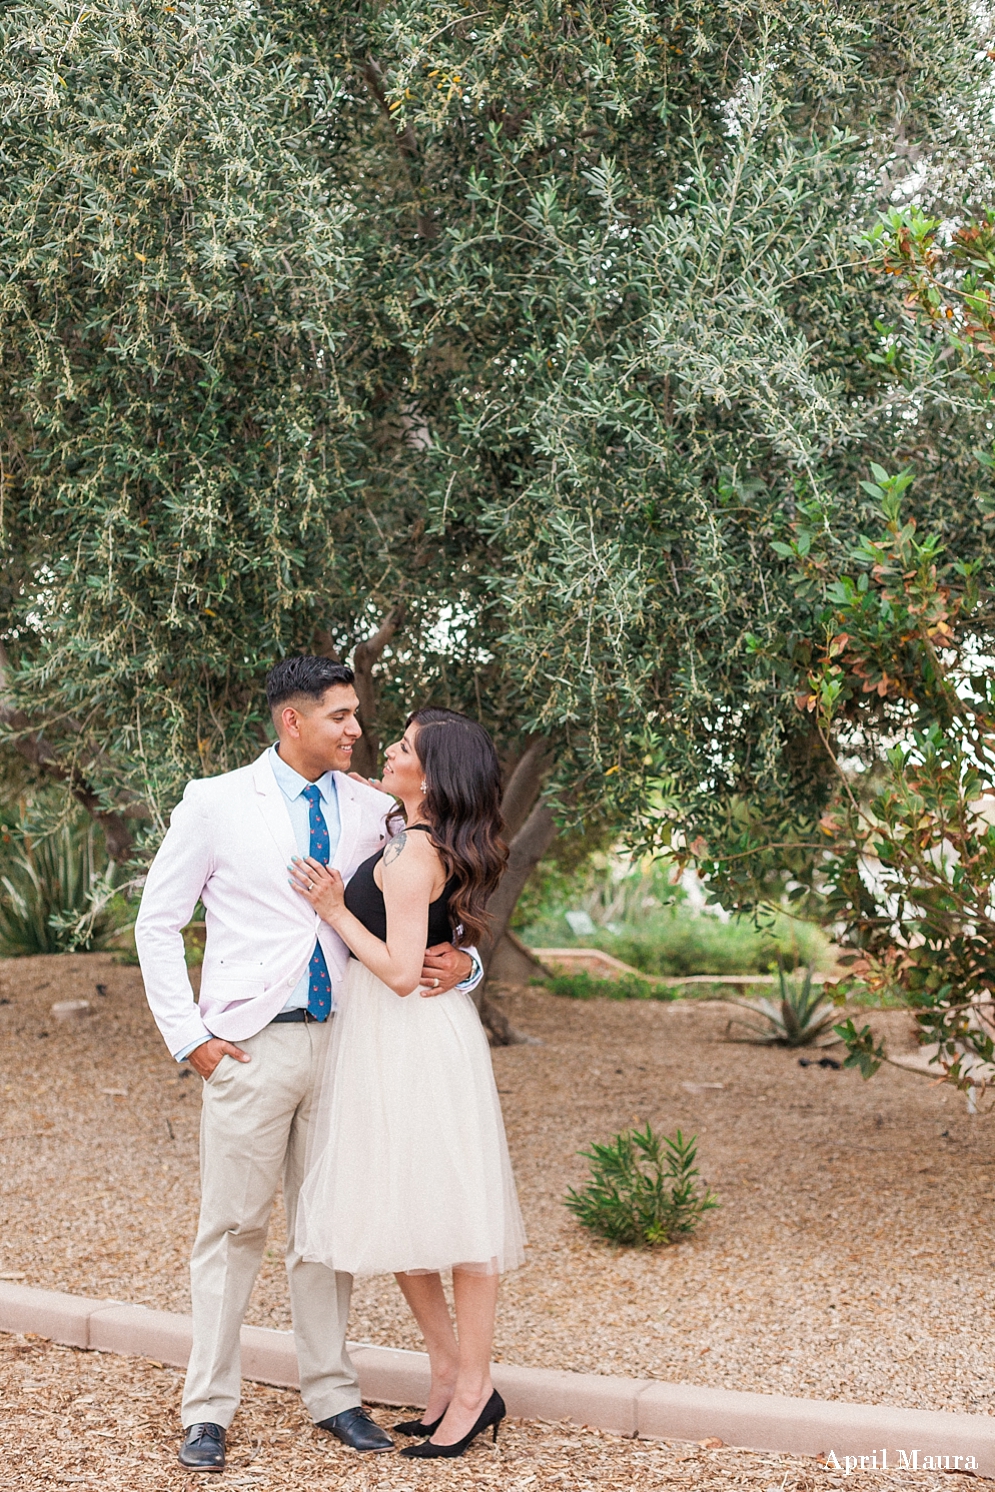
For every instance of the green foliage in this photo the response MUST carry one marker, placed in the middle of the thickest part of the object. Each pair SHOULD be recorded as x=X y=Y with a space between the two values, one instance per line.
x=56 y=891
x=585 y=871
x=583 y=986
x=540 y=325
x=950 y=283
x=677 y=942
x=643 y=1189
x=861 y=1050
x=801 y=1017
x=903 y=708
x=911 y=868
x=646 y=921
x=174 y=246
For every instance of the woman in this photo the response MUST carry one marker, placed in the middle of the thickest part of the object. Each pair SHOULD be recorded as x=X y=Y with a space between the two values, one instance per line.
x=408 y=1164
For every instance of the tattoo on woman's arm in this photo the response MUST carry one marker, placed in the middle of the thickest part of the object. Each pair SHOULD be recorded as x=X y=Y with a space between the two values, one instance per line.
x=394 y=847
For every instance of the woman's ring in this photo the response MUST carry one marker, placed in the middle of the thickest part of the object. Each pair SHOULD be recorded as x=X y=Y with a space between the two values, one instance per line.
x=435 y=984
x=310 y=885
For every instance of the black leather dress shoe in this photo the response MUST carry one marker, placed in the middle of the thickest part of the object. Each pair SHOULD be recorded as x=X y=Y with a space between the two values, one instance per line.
x=355 y=1428
x=203 y=1448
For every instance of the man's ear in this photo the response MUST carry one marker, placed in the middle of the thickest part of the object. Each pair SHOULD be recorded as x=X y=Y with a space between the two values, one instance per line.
x=288 y=719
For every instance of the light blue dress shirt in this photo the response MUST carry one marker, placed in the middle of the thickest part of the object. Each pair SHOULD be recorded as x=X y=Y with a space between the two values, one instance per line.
x=292 y=785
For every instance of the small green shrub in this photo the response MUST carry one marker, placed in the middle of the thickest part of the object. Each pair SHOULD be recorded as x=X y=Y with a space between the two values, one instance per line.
x=54 y=894
x=584 y=986
x=643 y=1189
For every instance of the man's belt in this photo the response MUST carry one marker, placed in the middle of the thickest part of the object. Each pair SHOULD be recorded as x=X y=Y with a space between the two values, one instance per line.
x=286 y=1016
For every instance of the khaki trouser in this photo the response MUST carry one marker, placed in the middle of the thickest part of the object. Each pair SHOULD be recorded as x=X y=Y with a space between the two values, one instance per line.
x=253 y=1128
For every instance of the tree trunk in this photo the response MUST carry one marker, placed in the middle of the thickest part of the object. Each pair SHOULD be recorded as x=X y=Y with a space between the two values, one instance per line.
x=532 y=829
x=524 y=786
x=513 y=963
x=527 y=849
x=364 y=659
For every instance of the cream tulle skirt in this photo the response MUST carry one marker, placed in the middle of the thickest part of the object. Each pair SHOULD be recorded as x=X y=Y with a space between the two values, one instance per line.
x=407 y=1162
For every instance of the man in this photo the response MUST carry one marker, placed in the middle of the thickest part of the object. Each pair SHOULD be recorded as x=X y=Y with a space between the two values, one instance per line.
x=258 y=1035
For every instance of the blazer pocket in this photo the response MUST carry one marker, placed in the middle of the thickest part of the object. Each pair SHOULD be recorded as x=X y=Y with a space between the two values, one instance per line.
x=228 y=988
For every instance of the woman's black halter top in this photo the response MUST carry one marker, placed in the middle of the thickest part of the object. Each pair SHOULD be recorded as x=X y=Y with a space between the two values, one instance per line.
x=365 y=900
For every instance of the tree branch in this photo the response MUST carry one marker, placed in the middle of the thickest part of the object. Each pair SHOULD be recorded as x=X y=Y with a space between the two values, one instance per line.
x=39 y=752
x=365 y=657
x=407 y=142
x=324 y=645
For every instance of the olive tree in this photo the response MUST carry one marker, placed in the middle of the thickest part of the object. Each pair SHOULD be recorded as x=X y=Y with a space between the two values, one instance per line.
x=486 y=346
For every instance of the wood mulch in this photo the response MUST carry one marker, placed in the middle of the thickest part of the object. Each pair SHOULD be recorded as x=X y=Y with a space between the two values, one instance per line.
x=850 y=1259
x=88 y=1420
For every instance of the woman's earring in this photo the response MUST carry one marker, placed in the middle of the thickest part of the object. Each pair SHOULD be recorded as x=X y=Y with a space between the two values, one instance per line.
x=424 y=788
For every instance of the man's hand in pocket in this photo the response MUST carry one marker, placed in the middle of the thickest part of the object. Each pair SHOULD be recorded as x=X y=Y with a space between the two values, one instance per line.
x=205 y=1058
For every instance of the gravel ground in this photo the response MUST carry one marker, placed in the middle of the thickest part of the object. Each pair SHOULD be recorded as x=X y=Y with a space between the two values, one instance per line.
x=850 y=1258
x=88 y=1420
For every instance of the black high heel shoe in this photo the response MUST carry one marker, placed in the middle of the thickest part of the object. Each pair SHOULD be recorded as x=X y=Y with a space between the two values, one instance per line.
x=416 y=1427
x=492 y=1413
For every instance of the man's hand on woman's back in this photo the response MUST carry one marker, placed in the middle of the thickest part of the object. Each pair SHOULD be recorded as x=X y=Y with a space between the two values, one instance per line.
x=444 y=968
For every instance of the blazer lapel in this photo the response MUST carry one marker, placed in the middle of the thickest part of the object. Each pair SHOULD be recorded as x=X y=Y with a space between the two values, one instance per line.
x=273 y=807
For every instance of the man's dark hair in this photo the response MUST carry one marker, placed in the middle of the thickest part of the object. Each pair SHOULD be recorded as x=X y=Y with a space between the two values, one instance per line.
x=296 y=678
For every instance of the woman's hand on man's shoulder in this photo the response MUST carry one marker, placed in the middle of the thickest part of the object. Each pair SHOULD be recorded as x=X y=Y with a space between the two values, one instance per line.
x=371 y=782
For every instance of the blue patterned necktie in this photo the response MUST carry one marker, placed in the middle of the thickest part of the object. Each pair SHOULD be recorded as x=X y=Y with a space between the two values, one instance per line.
x=319 y=997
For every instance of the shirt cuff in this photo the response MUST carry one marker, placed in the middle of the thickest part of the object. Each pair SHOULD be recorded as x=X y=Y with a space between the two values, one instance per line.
x=184 y=1052
x=475 y=975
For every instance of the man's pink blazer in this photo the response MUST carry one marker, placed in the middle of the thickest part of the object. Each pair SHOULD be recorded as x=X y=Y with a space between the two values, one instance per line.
x=228 y=845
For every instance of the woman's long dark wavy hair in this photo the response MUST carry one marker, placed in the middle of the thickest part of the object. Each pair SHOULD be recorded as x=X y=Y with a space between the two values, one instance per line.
x=463 y=806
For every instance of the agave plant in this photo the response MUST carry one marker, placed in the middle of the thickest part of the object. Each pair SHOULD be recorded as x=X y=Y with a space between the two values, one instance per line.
x=53 y=893
x=800 y=1018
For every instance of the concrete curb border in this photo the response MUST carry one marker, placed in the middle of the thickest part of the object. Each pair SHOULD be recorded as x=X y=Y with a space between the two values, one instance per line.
x=623 y=1406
